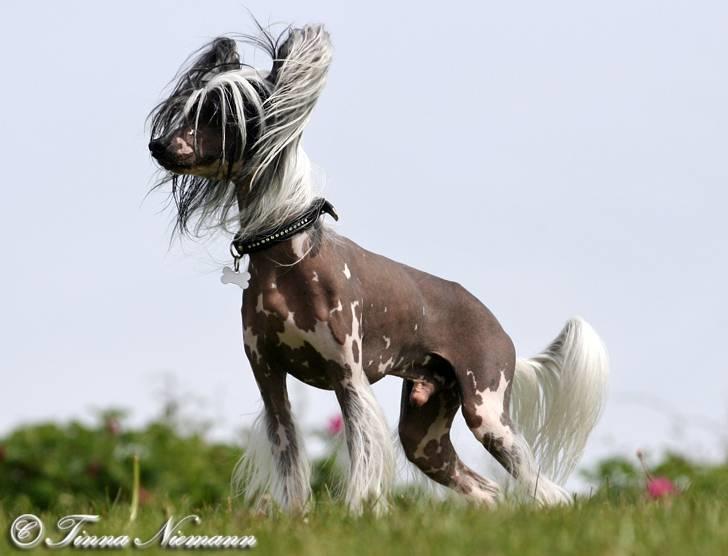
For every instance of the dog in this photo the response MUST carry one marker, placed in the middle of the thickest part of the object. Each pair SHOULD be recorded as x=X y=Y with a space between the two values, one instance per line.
x=338 y=317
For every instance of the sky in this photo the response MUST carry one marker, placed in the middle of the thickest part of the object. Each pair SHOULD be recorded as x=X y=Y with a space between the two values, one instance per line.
x=557 y=159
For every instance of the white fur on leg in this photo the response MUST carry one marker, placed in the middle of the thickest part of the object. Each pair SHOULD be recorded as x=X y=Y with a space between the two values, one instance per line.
x=261 y=470
x=502 y=440
x=532 y=483
x=371 y=452
x=558 y=396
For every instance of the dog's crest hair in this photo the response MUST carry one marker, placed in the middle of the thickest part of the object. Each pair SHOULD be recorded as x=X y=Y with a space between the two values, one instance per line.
x=267 y=112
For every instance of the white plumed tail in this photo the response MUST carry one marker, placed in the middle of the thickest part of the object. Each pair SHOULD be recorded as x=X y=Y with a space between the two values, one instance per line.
x=557 y=398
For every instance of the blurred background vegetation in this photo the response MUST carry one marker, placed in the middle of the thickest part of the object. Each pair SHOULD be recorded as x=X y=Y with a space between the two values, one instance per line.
x=76 y=465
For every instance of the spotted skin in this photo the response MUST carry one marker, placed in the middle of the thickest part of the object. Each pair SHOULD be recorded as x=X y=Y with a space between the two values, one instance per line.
x=324 y=310
x=425 y=435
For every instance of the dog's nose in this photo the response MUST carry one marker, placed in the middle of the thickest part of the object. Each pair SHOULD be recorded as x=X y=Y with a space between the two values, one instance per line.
x=156 y=147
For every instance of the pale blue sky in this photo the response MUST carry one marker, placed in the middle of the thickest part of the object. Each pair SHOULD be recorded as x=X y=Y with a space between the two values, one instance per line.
x=556 y=158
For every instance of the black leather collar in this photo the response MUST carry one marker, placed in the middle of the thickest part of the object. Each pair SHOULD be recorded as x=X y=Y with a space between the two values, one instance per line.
x=240 y=246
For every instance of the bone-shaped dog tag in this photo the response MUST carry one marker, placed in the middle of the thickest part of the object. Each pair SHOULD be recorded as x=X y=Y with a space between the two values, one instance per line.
x=240 y=279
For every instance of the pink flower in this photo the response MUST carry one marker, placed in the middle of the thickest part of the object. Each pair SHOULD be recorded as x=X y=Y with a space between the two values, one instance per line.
x=335 y=425
x=659 y=487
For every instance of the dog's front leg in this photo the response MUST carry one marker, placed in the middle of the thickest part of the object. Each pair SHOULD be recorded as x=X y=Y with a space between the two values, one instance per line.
x=274 y=463
x=371 y=455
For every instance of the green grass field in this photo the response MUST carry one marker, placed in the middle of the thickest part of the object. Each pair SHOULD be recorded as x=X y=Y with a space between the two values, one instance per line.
x=685 y=524
x=53 y=470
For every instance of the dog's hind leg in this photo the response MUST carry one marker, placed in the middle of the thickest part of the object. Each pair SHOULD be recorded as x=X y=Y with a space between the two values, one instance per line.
x=424 y=431
x=369 y=443
x=274 y=463
x=486 y=377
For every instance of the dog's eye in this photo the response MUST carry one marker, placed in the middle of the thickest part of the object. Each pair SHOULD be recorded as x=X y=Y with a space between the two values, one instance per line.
x=191 y=132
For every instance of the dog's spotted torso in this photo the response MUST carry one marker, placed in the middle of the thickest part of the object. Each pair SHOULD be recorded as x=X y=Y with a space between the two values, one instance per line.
x=341 y=307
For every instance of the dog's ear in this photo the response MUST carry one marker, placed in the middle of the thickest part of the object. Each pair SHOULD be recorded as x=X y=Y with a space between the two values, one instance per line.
x=307 y=45
x=281 y=53
x=219 y=56
x=298 y=76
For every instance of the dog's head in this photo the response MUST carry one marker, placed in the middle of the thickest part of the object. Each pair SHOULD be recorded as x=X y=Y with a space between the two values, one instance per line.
x=213 y=113
x=226 y=123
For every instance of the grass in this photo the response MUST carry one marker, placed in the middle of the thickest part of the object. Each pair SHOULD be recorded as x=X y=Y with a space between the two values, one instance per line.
x=163 y=469
x=683 y=525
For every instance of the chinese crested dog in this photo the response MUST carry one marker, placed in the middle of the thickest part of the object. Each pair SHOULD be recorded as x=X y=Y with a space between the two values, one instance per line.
x=338 y=317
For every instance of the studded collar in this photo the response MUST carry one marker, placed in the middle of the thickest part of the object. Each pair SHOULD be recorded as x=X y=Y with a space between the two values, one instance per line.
x=259 y=242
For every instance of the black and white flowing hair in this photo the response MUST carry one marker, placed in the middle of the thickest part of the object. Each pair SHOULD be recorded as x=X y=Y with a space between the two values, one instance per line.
x=262 y=115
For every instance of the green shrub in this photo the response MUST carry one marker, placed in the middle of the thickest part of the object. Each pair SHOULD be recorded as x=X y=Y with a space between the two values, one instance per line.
x=50 y=465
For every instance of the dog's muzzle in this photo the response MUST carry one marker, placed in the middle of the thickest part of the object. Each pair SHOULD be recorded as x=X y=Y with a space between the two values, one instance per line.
x=156 y=147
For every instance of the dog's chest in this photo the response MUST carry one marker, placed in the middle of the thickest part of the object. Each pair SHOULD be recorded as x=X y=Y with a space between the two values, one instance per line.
x=301 y=331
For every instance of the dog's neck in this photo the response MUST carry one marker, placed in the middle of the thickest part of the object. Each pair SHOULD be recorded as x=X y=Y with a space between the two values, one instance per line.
x=280 y=255
x=267 y=200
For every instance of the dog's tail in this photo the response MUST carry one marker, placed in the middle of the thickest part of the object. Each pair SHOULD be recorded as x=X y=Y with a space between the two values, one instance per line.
x=558 y=396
